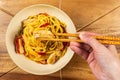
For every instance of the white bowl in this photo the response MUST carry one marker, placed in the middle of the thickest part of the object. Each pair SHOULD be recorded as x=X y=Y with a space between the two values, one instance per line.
x=21 y=60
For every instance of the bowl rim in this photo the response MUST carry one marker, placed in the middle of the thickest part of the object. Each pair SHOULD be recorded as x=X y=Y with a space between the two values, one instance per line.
x=57 y=69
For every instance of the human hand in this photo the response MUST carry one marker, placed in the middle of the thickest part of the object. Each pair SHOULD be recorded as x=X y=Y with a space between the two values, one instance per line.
x=102 y=60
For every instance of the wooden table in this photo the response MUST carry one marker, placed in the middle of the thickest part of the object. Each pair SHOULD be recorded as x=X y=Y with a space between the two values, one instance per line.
x=101 y=16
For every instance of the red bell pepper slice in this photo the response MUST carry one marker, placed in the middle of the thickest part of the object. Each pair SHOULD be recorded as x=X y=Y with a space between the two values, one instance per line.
x=19 y=44
x=44 y=25
x=42 y=53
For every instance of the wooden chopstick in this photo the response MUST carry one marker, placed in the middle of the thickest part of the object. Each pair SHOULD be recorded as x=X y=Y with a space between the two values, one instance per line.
x=78 y=40
x=101 y=39
x=97 y=37
x=67 y=34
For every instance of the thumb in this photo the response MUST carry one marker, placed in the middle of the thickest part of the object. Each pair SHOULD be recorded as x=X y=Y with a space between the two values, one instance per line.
x=87 y=38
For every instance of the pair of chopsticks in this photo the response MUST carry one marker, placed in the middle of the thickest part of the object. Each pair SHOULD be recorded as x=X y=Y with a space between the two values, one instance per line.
x=101 y=39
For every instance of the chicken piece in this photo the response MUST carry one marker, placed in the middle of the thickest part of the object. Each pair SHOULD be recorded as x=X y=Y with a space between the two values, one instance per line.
x=43 y=34
x=21 y=49
x=54 y=57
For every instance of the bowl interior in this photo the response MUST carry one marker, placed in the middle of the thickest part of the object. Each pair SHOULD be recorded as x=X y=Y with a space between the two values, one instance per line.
x=13 y=28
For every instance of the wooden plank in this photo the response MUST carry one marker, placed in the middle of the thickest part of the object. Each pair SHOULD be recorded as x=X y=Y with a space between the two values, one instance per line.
x=22 y=75
x=4 y=21
x=108 y=25
x=84 y=12
x=77 y=69
x=13 y=6
x=6 y=64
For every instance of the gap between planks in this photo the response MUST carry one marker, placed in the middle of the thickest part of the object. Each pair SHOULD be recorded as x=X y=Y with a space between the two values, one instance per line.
x=98 y=18
x=8 y=71
x=60 y=5
x=6 y=12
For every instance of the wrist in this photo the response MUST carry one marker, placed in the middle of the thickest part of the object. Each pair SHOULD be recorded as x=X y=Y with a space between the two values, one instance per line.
x=115 y=71
x=116 y=75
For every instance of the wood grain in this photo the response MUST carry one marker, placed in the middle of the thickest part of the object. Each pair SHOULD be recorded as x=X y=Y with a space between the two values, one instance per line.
x=4 y=21
x=77 y=69
x=13 y=6
x=10 y=7
x=108 y=25
x=22 y=75
x=83 y=12
x=6 y=64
